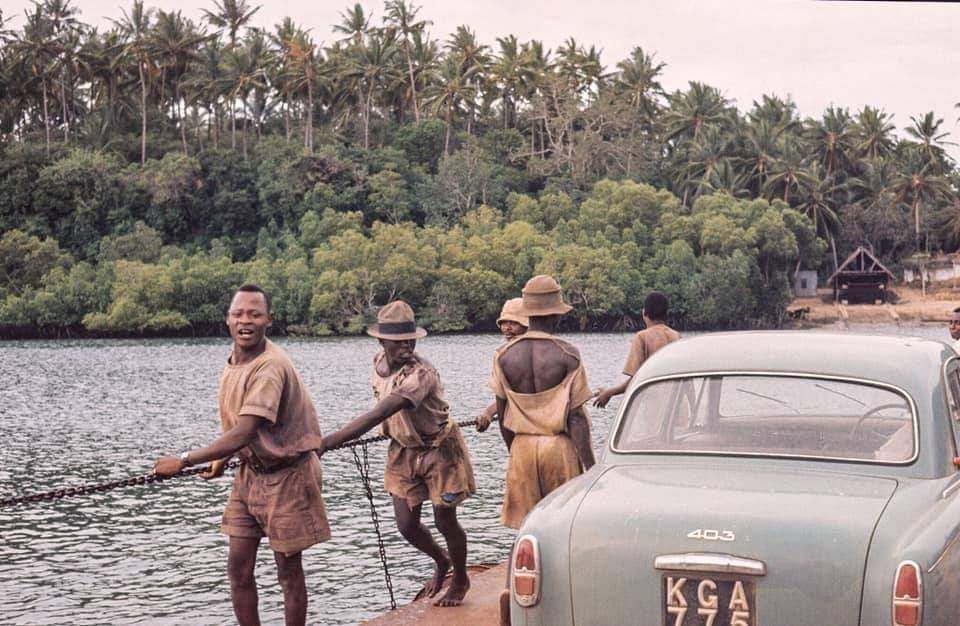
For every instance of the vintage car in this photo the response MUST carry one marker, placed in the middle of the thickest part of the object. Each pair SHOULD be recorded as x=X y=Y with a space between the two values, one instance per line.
x=762 y=478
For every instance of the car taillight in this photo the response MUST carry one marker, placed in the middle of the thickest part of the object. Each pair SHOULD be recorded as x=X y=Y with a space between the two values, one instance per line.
x=907 y=595
x=525 y=579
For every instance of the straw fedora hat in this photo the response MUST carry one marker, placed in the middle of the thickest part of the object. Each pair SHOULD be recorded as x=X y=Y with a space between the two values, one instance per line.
x=395 y=321
x=509 y=312
x=542 y=296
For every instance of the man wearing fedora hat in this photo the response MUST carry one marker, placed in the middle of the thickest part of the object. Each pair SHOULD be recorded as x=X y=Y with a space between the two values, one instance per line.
x=511 y=325
x=427 y=458
x=540 y=387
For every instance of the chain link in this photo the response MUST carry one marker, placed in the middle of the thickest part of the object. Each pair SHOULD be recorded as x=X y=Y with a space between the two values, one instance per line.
x=362 y=461
x=145 y=479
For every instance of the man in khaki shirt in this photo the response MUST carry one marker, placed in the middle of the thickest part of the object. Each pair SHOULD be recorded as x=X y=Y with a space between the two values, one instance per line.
x=427 y=458
x=268 y=421
x=649 y=340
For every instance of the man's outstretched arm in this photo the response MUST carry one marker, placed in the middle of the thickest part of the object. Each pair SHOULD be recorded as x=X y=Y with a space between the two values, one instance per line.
x=363 y=423
x=579 y=428
x=603 y=397
x=222 y=448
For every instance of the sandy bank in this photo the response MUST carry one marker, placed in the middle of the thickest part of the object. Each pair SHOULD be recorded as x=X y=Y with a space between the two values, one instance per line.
x=909 y=306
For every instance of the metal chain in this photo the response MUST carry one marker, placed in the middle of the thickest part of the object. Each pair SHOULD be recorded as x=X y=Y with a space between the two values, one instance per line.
x=363 y=467
x=144 y=479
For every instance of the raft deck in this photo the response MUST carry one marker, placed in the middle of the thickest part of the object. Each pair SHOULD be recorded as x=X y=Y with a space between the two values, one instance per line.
x=481 y=607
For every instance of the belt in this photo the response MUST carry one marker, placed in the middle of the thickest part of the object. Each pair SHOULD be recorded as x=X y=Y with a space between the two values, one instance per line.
x=259 y=468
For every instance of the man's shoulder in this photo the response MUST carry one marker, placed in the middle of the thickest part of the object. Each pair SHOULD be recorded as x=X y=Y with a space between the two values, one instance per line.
x=275 y=357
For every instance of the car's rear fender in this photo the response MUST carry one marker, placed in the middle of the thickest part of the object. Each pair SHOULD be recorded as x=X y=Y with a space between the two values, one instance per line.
x=550 y=523
x=922 y=524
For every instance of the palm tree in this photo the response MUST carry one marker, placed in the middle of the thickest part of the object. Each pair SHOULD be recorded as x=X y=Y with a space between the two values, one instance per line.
x=403 y=17
x=304 y=72
x=637 y=80
x=472 y=57
x=453 y=87
x=926 y=130
x=175 y=43
x=231 y=15
x=511 y=71
x=102 y=63
x=36 y=49
x=692 y=110
x=370 y=68
x=761 y=147
x=917 y=184
x=354 y=23
x=135 y=26
x=245 y=72
x=788 y=173
x=832 y=138
x=873 y=133
x=817 y=203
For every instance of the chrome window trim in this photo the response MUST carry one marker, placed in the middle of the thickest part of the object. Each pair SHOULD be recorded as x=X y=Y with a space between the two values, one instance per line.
x=710 y=562
x=781 y=374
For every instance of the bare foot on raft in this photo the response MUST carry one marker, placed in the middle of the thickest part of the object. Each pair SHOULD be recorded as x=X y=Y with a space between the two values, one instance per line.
x=435 y=584
x=455 y=593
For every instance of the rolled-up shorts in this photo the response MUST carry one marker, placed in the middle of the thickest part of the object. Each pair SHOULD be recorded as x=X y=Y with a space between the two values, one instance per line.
x=441 y=474
x=285 y=506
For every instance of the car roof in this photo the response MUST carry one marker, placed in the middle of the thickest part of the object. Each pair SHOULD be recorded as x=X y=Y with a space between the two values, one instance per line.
x=913 y=363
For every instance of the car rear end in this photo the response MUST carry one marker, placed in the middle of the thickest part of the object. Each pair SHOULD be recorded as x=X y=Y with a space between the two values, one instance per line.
x=727 y=499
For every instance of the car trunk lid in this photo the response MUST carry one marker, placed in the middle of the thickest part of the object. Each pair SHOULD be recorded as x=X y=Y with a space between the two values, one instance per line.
x=810 y=529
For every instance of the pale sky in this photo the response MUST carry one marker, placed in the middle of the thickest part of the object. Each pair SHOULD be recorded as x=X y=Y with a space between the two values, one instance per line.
x=902 y=57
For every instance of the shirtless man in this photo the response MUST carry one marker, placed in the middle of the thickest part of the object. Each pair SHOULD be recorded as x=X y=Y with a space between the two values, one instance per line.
x=655 y=336
x=427 y=458
x=540 y=387
x=269 y=421
x=511 y=326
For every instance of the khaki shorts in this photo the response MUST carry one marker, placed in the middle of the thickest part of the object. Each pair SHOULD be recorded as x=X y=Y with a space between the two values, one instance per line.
x=441 y=473
x=285 y=506
x=537 y=465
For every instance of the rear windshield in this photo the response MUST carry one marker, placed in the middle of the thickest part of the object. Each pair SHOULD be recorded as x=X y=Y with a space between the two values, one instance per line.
x=769 y=415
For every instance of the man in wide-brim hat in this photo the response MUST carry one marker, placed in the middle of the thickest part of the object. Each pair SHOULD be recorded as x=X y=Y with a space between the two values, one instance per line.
x=427 y=458
x=540 y=387
x=511 y=325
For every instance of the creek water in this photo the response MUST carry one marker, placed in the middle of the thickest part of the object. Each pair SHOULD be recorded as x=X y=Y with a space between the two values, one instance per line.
x=74 y=412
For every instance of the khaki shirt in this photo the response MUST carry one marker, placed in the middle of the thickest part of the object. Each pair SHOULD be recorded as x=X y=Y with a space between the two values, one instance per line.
x=270 y=387
x=419 y=383
x=544 y=412
x=645 y=343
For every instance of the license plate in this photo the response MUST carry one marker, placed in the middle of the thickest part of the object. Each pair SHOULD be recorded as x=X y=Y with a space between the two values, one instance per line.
x=713 y=601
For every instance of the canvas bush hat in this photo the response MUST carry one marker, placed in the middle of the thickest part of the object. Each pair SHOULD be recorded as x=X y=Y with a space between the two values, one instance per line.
x=542 y=296
x=395 y=321
x=509 y=312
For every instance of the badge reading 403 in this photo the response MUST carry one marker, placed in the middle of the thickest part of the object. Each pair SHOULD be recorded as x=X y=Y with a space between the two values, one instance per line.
x=710 y=534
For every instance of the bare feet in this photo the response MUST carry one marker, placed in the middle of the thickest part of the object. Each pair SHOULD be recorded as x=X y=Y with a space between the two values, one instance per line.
x=455 y=593
x=435 y=584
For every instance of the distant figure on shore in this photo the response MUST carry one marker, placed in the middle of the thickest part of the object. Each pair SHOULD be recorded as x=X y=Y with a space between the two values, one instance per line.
x=541 y=388
x=427 y=458
x=511 y=326
x=645 y=343
x=269 y=421
x=954 y=327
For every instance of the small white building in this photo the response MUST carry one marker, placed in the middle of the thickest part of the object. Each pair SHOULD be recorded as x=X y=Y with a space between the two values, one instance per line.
x=938 y=269
x=805 y=284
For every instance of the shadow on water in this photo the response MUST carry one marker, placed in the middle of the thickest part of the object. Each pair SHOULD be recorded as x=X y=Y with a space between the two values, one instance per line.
x=84 y=411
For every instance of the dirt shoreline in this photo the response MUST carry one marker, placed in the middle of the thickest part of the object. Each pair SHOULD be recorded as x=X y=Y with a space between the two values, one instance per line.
x=909 y=306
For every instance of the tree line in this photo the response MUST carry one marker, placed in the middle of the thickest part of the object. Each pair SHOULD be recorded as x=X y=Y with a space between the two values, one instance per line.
x=148 y=167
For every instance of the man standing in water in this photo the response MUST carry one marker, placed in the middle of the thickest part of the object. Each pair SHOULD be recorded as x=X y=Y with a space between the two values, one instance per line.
x=427 y=458
x=655 y=336
x=540 y=387
x=269 y=421
x=511 y=325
